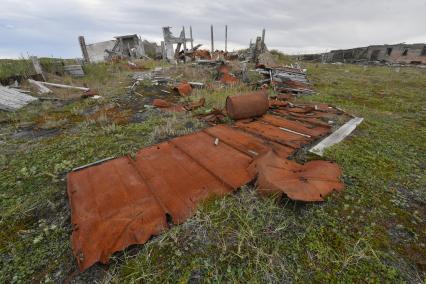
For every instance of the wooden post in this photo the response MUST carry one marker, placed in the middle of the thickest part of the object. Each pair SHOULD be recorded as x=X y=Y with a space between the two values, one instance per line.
x=163 y=51
x=83 y=49
x=226 y=38
x=211 y=36
x=184 y=39
x=37 y=66
x=184 y=43
x=263 y=41
x=192 y=39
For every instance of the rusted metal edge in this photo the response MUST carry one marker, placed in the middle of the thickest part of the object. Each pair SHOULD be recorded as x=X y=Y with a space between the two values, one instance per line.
x=93 y=164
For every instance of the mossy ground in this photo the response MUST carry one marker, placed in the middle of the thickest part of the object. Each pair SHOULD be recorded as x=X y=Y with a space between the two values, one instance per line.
x=374 y=231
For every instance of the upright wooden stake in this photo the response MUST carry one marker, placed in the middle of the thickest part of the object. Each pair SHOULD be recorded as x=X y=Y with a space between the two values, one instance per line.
x=184 y=39
x=192 y=39
x=211 y=35
x=83 y=49
x=263 y=41
x=226 y=38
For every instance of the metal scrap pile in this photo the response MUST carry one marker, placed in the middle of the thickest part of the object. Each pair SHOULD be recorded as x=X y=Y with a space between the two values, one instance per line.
x=126 y=200
x=287 y=79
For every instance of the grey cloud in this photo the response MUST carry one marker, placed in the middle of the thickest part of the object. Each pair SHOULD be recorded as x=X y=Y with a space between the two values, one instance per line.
x=51 y=28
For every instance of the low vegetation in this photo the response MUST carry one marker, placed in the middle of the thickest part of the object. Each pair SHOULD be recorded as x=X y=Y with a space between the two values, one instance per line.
x=374 y=231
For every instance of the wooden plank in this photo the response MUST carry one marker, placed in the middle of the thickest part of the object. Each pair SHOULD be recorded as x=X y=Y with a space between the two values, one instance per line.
x=41 y=88
x=11 y=100
x=14 y=95
x=64 y=86
x=337 y=136
x=74 y=70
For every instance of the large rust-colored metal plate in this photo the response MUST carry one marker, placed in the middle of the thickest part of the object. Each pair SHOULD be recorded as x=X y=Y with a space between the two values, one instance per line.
x=176 y=179
x=111 y=208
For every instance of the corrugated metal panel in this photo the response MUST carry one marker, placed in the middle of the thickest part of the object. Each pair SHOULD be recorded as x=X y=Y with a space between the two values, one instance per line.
x=124 y=201
x=12 y=100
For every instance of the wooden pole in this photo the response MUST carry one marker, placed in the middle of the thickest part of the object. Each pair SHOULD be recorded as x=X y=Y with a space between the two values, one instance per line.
x=192 y=39
x=211 y=36
x=226 y=38
x=83 y=49
x=263 y=40
x=184 y=39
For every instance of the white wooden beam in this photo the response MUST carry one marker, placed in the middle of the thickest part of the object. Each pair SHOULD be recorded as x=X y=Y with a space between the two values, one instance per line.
x=336 y=136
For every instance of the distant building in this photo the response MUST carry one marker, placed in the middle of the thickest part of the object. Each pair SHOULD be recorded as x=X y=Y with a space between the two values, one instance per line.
x=394 y=54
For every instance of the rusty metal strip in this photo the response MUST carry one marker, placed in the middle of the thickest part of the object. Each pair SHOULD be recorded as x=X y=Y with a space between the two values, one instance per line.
x=246 y=142
x=273 y=133
x=313 y=130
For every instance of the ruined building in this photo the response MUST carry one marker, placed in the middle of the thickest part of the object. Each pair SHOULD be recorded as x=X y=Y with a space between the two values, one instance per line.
x=393 y=54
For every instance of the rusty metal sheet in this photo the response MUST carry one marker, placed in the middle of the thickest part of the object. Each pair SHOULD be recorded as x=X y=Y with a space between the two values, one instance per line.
x=247 y=105
x=176 y=180
x=125 y=201
x=229 y=79
x=312 y=181
x=273 y=133
x=219 y=159
x=313 y=131
x=247 y=143
x=161 y=103
x=184 y=89
x=109 y=212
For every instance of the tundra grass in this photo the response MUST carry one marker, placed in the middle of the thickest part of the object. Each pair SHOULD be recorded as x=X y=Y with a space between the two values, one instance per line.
x=374 y=231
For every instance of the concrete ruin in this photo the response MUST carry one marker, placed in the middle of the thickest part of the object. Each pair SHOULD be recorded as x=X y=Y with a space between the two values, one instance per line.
x=393 y=54
x=127 y=46
x=169 y=52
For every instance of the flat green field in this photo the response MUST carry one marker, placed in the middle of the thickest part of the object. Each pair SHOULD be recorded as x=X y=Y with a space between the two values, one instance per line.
x=374 y=231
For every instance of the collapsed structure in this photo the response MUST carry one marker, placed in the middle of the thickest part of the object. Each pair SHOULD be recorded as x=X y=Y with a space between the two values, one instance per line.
x=172 y=48
x=392 y=54
x=123 y=47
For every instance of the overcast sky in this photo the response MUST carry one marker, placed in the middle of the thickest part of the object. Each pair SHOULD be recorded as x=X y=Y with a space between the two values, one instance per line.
x=51 y=27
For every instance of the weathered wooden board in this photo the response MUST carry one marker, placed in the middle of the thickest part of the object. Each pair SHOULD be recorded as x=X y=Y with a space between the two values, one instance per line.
x=336 y=136
x=11 y=99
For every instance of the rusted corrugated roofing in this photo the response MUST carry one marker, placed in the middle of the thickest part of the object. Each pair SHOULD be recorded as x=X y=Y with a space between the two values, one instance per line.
x=125 y=201
x=309 y=182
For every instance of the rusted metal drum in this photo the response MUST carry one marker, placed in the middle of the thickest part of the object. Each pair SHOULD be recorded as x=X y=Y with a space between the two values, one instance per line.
x=247 y=105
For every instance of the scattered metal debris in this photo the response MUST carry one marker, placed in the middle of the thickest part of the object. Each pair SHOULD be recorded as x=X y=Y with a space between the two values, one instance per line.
x=171 y=178
x=287 y=79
